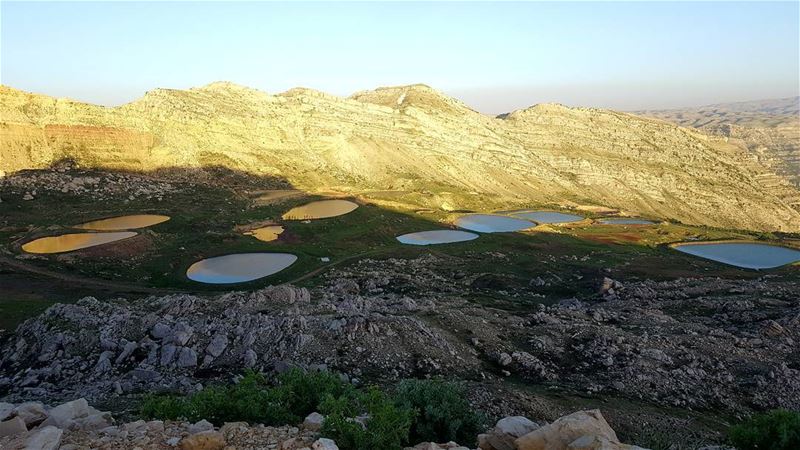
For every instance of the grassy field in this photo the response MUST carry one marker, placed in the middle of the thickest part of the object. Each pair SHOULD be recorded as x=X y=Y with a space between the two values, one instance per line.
x=203 y=219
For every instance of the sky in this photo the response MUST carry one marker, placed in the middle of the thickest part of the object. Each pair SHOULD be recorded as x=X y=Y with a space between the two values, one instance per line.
x=496 y=57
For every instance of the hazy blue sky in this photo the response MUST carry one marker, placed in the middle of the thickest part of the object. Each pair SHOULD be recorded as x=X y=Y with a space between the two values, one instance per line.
x=494 y=56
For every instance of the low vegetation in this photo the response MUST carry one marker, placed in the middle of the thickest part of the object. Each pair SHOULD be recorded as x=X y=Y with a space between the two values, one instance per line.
x=778 y=429
x=357 y=419
x=441 y=409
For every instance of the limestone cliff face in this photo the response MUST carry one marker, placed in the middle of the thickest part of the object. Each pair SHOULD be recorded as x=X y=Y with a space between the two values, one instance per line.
x=411 y=138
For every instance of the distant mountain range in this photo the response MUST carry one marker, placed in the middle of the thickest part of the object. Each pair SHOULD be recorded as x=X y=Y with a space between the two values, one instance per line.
x=429 y=149
x=769 y=129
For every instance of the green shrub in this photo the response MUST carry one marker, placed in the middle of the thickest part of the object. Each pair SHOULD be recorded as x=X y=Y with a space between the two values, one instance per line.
x=441 y=411
x=387 y=426
x=303 y=392
x=250 y=400
x=418 y=410
x=778 y=429
x=253 y=400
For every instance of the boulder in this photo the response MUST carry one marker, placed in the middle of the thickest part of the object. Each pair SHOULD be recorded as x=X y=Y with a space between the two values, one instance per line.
x=250 y=358
x=233 y=427
x=63 y=415
x=168 y=354
x=45 y=438
x=204 y=440
x=160 y=331
x=506 y=431
x=324 y=444
x=181 y=334
x=5 y=410
x=294 y=443
x=559 y=434
x=33 y=413
x=137 y=426
x=127 y=351
x=104 y=362
x=599 y=443
x=610 y=288
x=313 y=422
x=434 y=446
x=187 y=357
x=200 y=426
x=217 y=345
x=12 y=427
x=155 y=426
x=94 y=421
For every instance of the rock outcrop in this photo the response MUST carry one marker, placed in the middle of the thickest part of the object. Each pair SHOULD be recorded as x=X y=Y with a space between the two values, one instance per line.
x=646 y=343
x=411 y=139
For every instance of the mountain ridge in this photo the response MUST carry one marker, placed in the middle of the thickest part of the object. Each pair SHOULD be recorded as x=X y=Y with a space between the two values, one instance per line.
x=767 y=129
x=411 y=138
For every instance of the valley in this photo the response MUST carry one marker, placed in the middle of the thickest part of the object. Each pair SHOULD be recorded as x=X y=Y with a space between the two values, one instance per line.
x=495 y=298
x=541 y=305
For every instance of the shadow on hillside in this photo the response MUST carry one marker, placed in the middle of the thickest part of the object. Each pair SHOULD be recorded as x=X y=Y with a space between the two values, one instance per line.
x=214 y=174
x=213 y=203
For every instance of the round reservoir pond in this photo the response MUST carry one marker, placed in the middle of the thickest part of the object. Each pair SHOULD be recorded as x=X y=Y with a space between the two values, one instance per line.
x=73 y=241
x=124 y=222
x=266 y=234
x=625 y=221
x=747 y=255
x=436 y=237
x=549 y=217
x=487 y=223
x=239 y=267
x=320 y=210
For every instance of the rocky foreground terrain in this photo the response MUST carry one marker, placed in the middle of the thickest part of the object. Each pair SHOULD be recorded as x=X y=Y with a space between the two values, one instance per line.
x=76 y=425
x=728 y=346
x=411 y=138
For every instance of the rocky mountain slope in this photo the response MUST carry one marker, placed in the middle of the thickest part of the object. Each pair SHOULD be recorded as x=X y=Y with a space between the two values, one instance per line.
x=411 y=138
x=643 y=340
x=769 y=129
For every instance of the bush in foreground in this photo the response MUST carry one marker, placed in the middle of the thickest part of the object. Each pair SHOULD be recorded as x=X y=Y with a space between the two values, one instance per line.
x=383 y=423
x=778 y=429
x=441 y=411
x=417 y=410
x=253 y=400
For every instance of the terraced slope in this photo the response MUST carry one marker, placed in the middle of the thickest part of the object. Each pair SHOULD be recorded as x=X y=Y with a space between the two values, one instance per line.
x=411 y=139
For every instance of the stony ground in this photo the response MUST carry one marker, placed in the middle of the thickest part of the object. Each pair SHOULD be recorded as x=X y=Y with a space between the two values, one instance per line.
x=100 y=186
x=75 y=425
x=723 y=346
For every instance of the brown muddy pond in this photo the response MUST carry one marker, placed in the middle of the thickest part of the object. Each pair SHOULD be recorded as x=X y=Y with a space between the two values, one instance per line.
x=266 y=234
x=320 y=210
x=124 y=222
x=73 y=241
x=238 y=268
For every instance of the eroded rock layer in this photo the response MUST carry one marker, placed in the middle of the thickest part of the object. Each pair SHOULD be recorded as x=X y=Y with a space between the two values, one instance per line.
x=411 y=138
